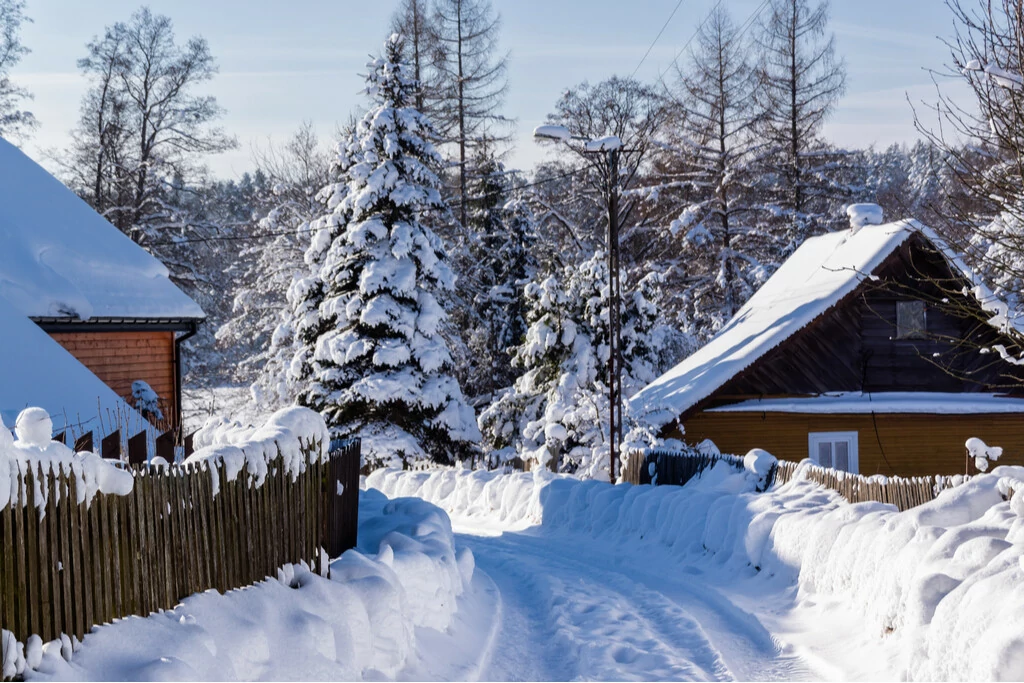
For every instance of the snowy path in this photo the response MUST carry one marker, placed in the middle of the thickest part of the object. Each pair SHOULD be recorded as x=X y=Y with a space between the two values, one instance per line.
x=574 y=610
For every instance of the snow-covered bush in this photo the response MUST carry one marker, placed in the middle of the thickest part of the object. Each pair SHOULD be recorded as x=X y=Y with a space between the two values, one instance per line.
x=146 y=400
x=368 y=323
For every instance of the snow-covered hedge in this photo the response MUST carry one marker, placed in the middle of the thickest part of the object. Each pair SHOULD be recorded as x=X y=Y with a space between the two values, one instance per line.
x=945 y=578
x=405 y=575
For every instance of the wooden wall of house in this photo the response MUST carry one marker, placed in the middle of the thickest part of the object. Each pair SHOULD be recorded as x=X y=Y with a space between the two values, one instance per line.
x=853 y=347
x=119 y=358
x=908 y=445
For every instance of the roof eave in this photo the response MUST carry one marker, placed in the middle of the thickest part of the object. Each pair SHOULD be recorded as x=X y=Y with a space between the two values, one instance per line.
x=116 y=324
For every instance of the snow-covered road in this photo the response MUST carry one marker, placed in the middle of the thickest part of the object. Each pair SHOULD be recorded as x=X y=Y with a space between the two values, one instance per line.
x=572 y=609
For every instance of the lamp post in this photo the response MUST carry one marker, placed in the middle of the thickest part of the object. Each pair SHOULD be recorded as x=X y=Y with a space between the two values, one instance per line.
x=607 y=150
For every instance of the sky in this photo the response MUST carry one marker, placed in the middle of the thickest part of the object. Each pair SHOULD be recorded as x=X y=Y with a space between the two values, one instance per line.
x=283 y=62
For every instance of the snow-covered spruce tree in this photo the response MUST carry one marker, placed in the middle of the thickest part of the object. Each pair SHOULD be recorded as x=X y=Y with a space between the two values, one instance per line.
x=556 y=413
x=369 y=321
x=491 y=283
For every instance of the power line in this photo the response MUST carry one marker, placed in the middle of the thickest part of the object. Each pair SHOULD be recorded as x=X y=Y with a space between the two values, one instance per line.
x=282 y=233
x=675 y=60
x=743 y=29
x=656 y=38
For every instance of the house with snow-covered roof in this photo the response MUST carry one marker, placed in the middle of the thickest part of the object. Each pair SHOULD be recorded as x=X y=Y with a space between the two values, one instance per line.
x=851 y=355
x=98 y=297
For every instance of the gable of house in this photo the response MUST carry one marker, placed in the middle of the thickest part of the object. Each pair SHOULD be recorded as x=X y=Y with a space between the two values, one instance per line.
x=854 y=346
x=98 y=294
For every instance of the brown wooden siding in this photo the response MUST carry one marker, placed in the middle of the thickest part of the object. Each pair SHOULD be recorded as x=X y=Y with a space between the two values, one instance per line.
x=119 y=358
x=904 y=444
x=853 y=347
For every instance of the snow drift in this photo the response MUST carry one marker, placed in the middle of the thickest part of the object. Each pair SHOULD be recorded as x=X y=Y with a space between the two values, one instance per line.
x=362 y=622
x=945 y=578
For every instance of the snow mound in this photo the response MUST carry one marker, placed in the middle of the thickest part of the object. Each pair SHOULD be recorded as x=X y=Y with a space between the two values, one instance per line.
x=299 y=435
x=33 y=451
x=363 y=622
x=942 y=579
x=864 y=214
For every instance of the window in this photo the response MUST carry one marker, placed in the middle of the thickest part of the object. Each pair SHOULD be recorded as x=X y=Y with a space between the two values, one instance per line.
x=837 y=450
x=911 y=320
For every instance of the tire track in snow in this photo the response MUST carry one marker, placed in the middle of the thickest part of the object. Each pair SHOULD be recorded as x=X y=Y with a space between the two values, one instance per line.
x=572 y=612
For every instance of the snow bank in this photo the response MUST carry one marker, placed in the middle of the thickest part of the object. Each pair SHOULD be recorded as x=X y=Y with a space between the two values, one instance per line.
x=511 y=498
x=944 y=578
x=299 y=435
x=33 y=450
x=360 y=623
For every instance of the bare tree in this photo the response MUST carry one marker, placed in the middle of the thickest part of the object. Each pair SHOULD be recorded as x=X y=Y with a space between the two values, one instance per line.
x=143 y=128
x=618 y=107
x=14 y=121
x=982 y=147
x=716 y=146
x=801 y=79
x=295 y=174
x=413 y=22
x=471 y=81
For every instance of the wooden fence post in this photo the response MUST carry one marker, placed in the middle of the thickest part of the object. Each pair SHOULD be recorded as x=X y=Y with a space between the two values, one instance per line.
x=138 y=451
x=110 y=446
x=83 y=444
x=342 y=495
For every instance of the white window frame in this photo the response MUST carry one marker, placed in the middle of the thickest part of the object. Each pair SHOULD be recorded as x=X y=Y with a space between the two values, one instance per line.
x=814 y=438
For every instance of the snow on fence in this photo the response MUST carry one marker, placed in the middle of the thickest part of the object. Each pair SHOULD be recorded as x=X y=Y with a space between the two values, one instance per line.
x=903 y=492
x=678 y=467
x=661 y=466
x=66 y=565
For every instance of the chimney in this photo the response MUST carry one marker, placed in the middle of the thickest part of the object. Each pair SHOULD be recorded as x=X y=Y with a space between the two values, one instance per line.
x=864 y=214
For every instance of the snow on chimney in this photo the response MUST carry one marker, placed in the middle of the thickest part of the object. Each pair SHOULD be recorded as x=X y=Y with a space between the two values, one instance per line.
x=864 y=214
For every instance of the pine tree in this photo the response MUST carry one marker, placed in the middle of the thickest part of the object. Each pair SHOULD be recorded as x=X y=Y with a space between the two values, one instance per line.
x=499 y=263
x=368 y=321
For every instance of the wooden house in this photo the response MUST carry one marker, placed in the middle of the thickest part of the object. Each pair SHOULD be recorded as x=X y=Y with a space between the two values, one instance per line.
x=102 y=297
x=854 y=355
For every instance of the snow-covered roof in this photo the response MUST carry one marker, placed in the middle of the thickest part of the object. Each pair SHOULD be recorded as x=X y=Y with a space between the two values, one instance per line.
x=36 y=371
x=817 y=276
x=892 y=402
x=59 y=258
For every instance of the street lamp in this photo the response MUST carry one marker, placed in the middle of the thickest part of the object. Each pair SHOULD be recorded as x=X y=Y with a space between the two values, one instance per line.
x=608 y=149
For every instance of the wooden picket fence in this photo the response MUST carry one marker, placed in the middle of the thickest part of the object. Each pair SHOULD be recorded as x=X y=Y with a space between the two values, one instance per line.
x=679 y=467
x=66 y=567
x=903 y=492
x=665 y=467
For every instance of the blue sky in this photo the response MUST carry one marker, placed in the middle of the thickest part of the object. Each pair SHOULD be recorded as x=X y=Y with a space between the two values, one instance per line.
x=285 y=61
